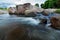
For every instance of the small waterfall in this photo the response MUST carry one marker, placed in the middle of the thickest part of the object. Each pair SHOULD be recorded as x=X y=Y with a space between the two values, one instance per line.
x=41 y=16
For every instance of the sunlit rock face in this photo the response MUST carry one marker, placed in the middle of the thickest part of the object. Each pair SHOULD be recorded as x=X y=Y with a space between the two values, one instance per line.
x=25 y=9
x=20 y=9
x=33 y=10
x=12 y=10
x=55 y=21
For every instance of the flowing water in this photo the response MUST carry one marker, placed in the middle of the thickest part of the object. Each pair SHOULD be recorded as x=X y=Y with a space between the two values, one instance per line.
x=37 y=30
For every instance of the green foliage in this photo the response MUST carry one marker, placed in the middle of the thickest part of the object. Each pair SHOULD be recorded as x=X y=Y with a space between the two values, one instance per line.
x=51 y=4
x=58 y=3
x=37 y=4
x=42 y=5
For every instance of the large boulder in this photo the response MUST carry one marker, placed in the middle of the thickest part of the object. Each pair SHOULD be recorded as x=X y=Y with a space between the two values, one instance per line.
x=33 y=10
x=18 y=34
x=22 y=7
x=55 y=22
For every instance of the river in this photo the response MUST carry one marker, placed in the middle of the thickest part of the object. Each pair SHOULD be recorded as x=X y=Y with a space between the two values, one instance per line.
x=35 y=29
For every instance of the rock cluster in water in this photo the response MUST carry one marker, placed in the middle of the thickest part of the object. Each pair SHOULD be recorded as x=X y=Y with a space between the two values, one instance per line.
x=32 y=11
x=24 y=9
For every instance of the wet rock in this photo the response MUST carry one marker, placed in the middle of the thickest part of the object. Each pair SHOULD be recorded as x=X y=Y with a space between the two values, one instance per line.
x=55 y=22
x=44 y=21
x=18 y=34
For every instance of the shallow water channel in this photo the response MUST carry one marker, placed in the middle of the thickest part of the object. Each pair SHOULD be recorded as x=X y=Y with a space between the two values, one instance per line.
x=35 y=29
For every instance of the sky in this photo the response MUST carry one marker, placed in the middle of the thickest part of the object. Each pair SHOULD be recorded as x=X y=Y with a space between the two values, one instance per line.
x=22 y=1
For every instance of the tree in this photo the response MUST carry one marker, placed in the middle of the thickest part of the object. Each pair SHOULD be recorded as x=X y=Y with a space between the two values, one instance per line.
x=42 y=5
x=45 y=5
x=51 y=4
x=37 y=4
x=58 y=3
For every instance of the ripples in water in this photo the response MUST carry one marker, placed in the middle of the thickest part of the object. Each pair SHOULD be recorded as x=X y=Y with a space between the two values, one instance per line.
x=37 y=30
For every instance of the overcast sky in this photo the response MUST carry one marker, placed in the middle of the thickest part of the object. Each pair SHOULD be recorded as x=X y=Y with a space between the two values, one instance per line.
x=23 y=1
